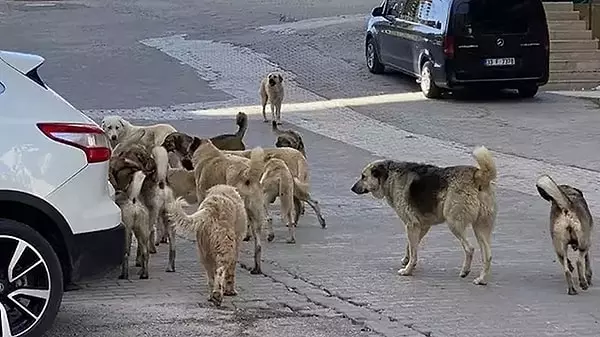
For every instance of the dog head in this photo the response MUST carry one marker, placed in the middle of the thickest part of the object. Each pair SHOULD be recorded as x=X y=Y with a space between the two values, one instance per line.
x=114 y=127
x=179 y=143
x=274 y=78
x=195 y=144
x=132 y=159
x=372 y=179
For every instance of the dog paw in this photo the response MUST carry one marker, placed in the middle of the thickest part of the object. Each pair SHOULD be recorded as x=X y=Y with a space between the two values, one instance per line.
x=464 y=273
x=216 y=298
x=170 y=269
x=322 y=222
x=405 y=272
x=584 y=285
x=138 y=264
x=290 y=240
x=571 y=291
x=163 y=240
x=270 y=237
x=480 y=281
x=152 y=249
x=265 y=120
x=404 y=261
x=256 y=271
x=246 y=238
x=230 y=292
x=144 y=276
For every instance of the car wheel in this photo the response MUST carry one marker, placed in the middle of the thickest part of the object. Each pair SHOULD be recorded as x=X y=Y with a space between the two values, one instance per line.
x=372 y=57
x=528 y=91
x=428 y=87
x=31 y=281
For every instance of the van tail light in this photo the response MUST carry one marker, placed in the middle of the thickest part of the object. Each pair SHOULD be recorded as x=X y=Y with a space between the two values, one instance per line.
x=87 y=137
x=448 y=46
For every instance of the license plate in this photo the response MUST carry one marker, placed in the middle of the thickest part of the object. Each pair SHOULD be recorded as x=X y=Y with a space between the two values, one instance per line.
x=507 y=61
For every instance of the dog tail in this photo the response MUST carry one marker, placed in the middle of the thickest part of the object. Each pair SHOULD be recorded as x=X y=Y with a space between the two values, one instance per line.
x=487 y=167
x=301 y=190
x=161 y=157
x=180 y=219
x=548 y=190
x=136 y=186
x=241 y=120
x=257 y=164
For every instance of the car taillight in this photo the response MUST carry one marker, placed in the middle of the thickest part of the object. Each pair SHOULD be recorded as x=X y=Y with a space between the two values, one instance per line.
x=87 y=137
x=448 y=46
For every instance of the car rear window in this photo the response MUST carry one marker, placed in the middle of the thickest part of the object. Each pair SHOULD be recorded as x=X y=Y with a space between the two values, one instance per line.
x=499 y=17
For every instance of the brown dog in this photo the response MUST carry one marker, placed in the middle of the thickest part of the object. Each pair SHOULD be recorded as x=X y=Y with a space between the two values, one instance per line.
x=571 y=224
x=218 y=225
x=288 y=138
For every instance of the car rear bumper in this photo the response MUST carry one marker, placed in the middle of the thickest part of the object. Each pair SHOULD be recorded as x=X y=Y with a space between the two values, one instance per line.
x=96 y=253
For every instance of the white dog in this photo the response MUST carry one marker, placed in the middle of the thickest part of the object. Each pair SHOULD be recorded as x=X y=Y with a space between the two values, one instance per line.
x=117 y=129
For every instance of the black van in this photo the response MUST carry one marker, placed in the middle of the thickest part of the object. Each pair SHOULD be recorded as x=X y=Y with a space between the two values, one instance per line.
x=457 y=44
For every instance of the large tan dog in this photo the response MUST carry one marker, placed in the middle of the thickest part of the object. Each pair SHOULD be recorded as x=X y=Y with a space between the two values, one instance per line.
x=212 y=167
x=135 y=218
x=298 y=166
x=571 y=224
x=219 y=226
x=277 y=181
x=271 y=91
x=425 y=195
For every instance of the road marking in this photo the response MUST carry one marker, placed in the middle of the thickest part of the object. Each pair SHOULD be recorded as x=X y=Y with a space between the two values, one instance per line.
x=314 y=23
x=237 y=71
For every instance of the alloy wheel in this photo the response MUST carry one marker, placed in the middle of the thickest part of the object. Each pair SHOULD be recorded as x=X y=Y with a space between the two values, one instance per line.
x=25 y=286
x=370 y=55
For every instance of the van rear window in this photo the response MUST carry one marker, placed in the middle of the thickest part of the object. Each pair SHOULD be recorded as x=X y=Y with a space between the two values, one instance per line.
x=499 y=16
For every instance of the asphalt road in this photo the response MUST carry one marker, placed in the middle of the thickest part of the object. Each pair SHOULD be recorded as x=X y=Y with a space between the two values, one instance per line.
x=194 y=64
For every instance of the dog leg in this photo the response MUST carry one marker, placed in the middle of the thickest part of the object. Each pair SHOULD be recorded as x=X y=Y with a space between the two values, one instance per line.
x=138 y=255
x=217 y=290
x=278 y=112
x=424 y=231
x=142 y=237
x=483 y=233
x=269 y=222
x=263 y=102
x=153 y=210
x=588 y=268
x=581 y=271
x=315 y=206
x=256 y=235
x=172 y=252
x=459 y=230
x=230 y=281
x=125 y=264
x=413 y=232
x=561 y=252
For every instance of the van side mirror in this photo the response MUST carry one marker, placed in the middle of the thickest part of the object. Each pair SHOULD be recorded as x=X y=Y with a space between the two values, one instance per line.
x=377 y=11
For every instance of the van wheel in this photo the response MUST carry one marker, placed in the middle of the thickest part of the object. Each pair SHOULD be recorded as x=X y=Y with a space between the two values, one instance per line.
x=428 y=87
x=372 y=57
x=31 y=281
x=528 y=91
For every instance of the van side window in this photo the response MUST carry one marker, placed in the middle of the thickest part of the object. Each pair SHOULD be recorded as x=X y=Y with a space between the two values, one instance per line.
x=410 y=10
x=393 y=8
x=490 y=16
x=432 y=13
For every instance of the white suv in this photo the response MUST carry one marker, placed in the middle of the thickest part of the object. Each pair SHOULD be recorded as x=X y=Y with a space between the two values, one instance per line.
x=58 y=219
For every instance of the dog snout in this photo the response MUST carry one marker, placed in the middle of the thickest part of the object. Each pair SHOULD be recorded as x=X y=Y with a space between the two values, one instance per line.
x=358 y=188
x=271 y=81
x=113 y=137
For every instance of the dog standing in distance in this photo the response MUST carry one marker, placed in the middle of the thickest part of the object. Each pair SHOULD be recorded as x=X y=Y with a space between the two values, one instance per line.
x=218 y=225
x=571 y=224
x=271 y=91
x=136 y=220
x=288 y=138
x=425 y=195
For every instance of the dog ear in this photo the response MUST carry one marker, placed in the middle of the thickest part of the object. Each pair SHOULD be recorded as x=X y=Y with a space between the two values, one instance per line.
x=121 y=123
x=544 y=195
x=195 y=144
x=280 y=78
x=380 y=171
x=578 y=191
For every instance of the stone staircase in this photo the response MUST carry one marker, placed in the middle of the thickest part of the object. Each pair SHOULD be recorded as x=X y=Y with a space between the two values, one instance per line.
x=574 y=54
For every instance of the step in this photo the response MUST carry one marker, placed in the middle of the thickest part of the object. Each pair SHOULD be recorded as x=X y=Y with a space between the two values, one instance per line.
x=575 y=65
x=567 y=25
x=557 y=16
x=570 y=85
x=571 y=35
x=566 y=75
x=573 y=45
x=558 y=6
x=580 y=55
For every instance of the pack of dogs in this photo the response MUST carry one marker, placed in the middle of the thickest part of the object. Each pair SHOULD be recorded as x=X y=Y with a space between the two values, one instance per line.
x=158 y=172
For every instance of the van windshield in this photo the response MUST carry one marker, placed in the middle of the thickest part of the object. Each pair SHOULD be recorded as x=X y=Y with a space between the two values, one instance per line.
x=497 y=16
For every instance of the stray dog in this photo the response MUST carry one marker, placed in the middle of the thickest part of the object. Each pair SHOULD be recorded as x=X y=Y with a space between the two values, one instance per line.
x=135 y=218
x=571 y=224
x=218 y=225
x=288 y=138
x=213 y=167
x=298 y=166
x=122 y=168
x=271 y=90
x=179 y=142
x=118 y=129
x=277 y=181
x=425 y=195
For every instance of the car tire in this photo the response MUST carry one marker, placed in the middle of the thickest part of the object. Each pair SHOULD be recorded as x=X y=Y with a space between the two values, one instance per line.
x=372 y=57
x=428 y=87
x=528 y=91
x=37 y=289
